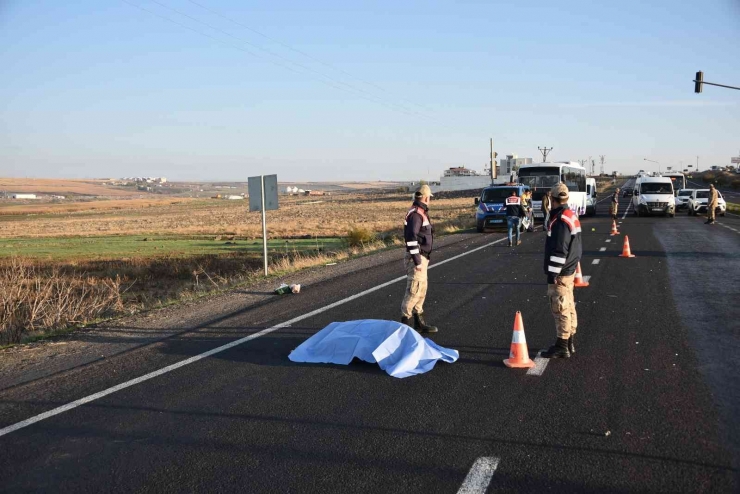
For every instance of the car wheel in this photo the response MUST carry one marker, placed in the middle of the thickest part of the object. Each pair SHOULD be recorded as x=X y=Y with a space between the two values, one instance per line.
x=479 y=227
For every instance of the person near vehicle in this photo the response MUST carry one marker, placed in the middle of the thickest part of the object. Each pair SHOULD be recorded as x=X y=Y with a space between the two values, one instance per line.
x=614 y=206
x=527 y=204
x=418 y=234
x=712 y=203
x=546 y=206
x=514 y=214
x=562 y=254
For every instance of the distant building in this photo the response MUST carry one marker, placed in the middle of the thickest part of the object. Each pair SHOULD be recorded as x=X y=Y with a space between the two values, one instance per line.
x=460 y=171
x=508 y=164
x=23 y=196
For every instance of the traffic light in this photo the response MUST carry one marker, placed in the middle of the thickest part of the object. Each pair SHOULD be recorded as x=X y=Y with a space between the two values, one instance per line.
x=698 y=82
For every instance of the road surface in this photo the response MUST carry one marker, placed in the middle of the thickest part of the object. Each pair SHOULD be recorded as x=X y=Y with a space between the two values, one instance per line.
x=648 y=403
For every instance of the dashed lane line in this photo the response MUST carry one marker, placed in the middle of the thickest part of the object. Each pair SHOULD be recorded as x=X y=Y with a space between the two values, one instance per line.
x=602 y=249
x=729 y=227
x=223 y=348
x=608 y=240
x=596 y=261
x=480 y=475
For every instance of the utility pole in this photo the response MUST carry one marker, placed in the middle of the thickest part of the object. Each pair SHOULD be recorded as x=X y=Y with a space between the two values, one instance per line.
x=592 y=164
x=603 y=157
x=544 y=152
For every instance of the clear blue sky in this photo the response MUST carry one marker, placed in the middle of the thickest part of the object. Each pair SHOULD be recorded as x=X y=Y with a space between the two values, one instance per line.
x=104 y=89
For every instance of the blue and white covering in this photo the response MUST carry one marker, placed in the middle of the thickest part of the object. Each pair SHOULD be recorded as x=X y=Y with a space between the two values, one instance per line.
x=395 y=347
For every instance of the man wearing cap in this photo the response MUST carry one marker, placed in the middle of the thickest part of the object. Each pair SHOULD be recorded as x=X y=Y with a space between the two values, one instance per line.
x=712 y=204
x=614 y=206
x=562 y=255
x=418 y=234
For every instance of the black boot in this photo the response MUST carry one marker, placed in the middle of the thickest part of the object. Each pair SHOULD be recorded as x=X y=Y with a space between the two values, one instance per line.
x=421 y=326
x=406 y=320
x=571 y=344
x=558 y=350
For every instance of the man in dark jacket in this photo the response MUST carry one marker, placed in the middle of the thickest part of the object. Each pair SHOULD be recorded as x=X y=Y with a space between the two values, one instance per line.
x=418 y=234
x=514 y=214
x=562 y=255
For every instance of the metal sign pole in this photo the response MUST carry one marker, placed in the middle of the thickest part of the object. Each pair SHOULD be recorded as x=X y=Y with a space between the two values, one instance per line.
x=264 y=224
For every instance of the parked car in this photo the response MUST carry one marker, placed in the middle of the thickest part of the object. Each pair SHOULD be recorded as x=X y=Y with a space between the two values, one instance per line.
x=627 y=192
x=491 y=211
x=698 y=202
x=682 y=199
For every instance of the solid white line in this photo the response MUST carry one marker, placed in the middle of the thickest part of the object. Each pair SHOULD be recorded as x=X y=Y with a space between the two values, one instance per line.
x=596 y=261
x=608 y=240
x=169 y=368
x=603 y=249
x=480 y=475
x=540 y=364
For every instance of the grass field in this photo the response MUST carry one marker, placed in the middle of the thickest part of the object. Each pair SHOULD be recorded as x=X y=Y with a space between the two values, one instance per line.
x=124 y=247
x=60 y=187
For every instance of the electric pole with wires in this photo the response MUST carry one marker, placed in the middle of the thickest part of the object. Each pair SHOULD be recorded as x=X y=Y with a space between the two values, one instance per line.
x=544 y=152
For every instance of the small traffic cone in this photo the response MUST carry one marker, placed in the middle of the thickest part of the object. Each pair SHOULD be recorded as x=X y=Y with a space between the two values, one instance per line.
x=518 y=355
x=579 y=281
x=626 y=249
x=614 y=228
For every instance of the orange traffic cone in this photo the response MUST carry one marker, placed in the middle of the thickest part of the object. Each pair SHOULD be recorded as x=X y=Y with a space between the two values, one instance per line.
x=579 y=281
x=626 y=249
x=518 y=355
x=614 y=228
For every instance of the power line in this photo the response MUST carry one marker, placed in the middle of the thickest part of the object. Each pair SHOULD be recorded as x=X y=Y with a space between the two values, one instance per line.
x=326 y=64
x=331 y=82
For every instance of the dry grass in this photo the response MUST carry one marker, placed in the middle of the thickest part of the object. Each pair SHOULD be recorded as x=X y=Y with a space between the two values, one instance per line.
x=106 y=206
x=60 y=187
x=332 y=217
x=33 y=300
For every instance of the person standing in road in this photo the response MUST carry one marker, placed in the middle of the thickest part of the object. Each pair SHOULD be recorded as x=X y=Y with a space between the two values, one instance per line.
x=614 y=206
x=527 y=203
x=514 y=214
x=562 y=254
x=712 y=204
x=418 y=234
x=546 y=206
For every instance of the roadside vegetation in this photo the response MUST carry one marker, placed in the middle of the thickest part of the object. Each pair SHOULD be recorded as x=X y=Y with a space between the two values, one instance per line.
x=63 y=266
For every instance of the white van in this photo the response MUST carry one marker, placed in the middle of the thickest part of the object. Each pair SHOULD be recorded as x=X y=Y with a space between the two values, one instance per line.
x=654 y=195
x=590 y=196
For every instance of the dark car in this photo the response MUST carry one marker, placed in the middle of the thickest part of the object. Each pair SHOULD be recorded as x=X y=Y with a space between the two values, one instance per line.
x=627 y=192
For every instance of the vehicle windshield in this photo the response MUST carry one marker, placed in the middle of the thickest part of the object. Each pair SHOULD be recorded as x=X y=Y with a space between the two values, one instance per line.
x=656 y=188
x=496 y=195
x=539 y=178
x=685 y=192
x=702 y=194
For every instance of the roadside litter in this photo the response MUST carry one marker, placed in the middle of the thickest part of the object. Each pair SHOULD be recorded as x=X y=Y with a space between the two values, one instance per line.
x=396 y=348
x=283 y=289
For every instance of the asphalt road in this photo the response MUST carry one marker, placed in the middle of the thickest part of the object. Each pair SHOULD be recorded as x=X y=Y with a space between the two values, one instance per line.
x=649 y=402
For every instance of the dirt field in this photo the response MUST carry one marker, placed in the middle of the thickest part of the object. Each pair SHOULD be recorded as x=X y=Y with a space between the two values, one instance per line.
x=322 y=217
x=60 y=187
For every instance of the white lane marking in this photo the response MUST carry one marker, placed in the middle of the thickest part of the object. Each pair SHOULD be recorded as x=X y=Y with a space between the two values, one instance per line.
x=608 y=240
x=480 y=475
x=603 y=249
x=596 y=261
x=728 y=227
x=540 y=364
x=169 y=368
x=586 y=278
x=626 y=211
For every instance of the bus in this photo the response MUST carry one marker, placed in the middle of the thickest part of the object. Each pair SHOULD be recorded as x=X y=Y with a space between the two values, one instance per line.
x=540 y=177
x=678 y=179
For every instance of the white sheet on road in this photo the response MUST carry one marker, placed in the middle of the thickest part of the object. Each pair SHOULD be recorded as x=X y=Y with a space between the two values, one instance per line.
x=395 y=347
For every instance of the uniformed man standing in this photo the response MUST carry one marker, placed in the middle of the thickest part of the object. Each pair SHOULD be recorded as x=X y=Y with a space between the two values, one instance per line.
x=418 y=233
x=562 y=254
x=614 y=206
x=514 y=214
x=712 y=204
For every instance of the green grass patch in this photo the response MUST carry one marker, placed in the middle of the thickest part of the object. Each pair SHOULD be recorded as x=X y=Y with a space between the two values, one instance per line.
x=139 y=246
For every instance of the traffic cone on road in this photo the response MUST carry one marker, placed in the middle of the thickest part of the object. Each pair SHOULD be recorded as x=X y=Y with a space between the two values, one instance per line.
x=579 y=281
x=614 y=228
x=519 y=354
x=626 y=249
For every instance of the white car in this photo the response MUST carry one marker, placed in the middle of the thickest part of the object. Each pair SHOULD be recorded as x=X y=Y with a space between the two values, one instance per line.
x=698 y=202
x=682 y=199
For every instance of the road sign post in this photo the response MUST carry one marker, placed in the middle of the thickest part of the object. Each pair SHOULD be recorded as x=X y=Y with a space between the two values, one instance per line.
x=263 y=196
